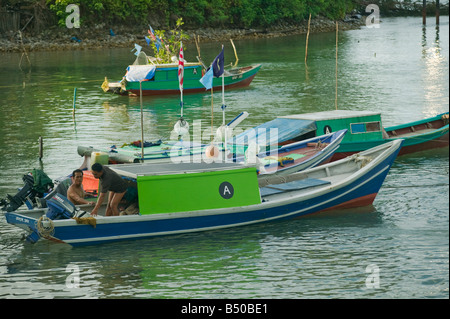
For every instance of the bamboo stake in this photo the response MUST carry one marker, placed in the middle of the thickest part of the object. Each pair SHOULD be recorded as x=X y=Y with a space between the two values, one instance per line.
x=41 y=148
x=234 y=48
x=307 y=38
x=336 y=97
x=197 y=41
x=24 y=52
x=424 y=12
x=437 y=12
x=74 y=101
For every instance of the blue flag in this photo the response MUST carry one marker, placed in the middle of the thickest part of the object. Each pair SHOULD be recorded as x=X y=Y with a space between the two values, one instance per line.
x=158 y=44
x=138 y=49
x=218 y=64
x=207 y=79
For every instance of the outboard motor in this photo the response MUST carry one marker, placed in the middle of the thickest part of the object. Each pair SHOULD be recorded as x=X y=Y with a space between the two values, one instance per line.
x=35 y=186
x=60 y=207
x=27 y=192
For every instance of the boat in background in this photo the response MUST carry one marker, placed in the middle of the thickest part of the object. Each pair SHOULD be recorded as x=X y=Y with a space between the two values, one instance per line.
x=271 y=159
x=162 y=79
x=185 y=198
x=298 y=156
x=365 y=130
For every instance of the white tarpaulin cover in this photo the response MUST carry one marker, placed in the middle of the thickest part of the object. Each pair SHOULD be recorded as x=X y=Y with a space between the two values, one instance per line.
x=136 y=73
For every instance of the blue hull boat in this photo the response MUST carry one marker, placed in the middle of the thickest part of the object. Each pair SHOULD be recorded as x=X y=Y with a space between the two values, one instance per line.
x=221 y=196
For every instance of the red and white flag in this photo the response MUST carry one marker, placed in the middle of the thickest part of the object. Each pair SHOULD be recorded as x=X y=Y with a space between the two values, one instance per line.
x=181 y=67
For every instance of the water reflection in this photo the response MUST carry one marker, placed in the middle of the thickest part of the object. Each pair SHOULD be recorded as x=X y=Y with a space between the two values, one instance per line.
x=398 y=69
x=435 y=64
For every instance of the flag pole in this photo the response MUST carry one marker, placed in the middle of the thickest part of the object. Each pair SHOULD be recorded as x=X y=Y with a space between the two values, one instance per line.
x=225 y=127
x=181 y=103
x=212 y=113
x=142 y=122
x=223 y=98
x=181 y=80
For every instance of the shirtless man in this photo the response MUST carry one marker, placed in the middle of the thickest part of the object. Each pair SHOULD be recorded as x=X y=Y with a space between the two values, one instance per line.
x=76 y=193
x=110 y=182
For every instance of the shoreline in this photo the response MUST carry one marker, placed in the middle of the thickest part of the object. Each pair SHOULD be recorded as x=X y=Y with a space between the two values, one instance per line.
x=58 y=39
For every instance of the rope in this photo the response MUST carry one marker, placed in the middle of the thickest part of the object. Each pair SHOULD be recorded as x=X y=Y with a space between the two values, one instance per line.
x=45 y=227
x=364 y=160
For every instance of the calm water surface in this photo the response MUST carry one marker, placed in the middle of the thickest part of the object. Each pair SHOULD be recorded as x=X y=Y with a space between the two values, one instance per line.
x=400 y=69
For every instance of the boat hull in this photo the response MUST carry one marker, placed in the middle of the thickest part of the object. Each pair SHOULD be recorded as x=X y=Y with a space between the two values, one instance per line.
x=357 y=189
x=192 y=85
x=412 y=144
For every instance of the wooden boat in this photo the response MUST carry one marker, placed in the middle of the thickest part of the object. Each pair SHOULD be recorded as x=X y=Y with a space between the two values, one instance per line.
x=298 y=156
x=365 y=130
x=303 y=154
x=163 y=79
x=284 y=160
x=185 y=198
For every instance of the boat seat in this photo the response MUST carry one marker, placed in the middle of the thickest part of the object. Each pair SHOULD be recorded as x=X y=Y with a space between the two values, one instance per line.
x=292 y=186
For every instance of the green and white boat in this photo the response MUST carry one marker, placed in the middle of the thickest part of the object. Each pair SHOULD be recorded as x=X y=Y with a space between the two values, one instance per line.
x=162 y=79
x=365 y=130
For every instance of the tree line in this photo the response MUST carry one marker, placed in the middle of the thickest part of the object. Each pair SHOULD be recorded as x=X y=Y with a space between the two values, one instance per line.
x=195 y=13
x=200 y=13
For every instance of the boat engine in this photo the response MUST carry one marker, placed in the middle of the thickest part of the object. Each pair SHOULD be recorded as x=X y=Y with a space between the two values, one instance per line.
x=26 y=193
x=36 y=185
x=59 y=207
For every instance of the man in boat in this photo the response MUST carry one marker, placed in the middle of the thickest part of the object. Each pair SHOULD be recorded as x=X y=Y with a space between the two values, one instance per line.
x=110 y=182
x=76 y=193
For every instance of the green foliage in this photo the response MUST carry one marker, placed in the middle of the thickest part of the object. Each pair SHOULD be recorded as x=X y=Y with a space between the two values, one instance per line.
x=108 y=11
x=170 y=44
x=202 y=13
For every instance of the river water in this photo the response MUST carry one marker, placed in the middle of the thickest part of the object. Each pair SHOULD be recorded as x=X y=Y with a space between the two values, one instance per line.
x=397 y=248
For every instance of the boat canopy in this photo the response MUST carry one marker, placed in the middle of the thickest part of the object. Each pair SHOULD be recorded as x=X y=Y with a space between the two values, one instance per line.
x=276 y=131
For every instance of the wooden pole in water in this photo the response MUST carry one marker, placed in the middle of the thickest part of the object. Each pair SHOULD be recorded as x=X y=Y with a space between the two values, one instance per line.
x=336 y=97
x=424 y=12
x=142 y=122
x=74 y=101
x=197 y=40
x=437 y=12
x=307 y=38
x=235 y=54
x=41 y=148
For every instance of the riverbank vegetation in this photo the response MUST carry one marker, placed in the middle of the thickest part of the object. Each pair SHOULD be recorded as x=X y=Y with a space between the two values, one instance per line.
x=35 y=15
x=199 y=13
x=42 y=24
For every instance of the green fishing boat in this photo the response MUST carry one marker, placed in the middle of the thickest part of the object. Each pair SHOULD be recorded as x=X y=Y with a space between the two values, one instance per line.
x=365 y=130
x=162 y=79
